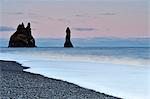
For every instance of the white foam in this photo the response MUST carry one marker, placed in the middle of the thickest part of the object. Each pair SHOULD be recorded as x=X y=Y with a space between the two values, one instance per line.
x=44 y=55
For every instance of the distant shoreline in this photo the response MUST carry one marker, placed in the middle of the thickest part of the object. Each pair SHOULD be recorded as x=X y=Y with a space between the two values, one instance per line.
x=16 y=83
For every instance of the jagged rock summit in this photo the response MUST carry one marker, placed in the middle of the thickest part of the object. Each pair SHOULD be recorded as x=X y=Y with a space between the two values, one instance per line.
x=68 y=41
x=22 y=37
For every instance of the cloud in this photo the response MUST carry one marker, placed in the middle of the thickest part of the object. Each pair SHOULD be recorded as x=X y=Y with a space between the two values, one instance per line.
x=97 y=15
x=84 y=29
x=14 y=13
x=107 y=13
x=19 y=13
x=82 y=15
x=6 y=28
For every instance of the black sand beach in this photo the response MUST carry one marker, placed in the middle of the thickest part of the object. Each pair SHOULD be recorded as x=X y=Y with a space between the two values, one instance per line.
x=18 y=84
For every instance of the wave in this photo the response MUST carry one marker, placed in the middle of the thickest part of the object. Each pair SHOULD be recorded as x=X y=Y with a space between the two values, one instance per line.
x=53 y=56
x=95 y=58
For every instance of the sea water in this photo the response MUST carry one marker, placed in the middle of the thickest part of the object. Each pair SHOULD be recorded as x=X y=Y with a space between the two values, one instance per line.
x=115 y=68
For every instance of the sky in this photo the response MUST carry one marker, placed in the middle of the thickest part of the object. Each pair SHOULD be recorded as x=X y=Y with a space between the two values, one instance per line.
x=86 y=18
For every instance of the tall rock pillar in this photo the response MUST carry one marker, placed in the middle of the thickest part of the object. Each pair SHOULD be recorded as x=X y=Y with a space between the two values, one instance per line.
x=68 y=41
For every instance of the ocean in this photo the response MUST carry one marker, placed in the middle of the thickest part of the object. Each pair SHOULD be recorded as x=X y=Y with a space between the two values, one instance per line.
x=119 y=67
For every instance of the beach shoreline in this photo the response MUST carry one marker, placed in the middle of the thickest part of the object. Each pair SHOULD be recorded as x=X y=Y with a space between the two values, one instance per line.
x=17 y=83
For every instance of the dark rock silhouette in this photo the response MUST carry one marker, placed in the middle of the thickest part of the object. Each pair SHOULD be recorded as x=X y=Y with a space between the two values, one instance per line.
x=68 y=41
x=22 y=37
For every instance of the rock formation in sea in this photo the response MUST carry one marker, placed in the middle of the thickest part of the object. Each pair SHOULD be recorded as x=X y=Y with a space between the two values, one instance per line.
x=22 y=37
x=68 y=41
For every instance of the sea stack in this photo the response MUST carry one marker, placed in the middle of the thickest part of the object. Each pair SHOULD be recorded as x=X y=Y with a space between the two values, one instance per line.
x=22 y=37
x=68 y=41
